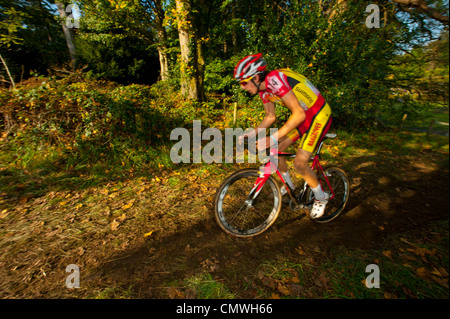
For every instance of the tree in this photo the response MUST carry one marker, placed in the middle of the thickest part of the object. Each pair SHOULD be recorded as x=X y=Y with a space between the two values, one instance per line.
x=117 y=40
x=422 y=73
x=192 y=60
x=63 y=9
x=157 y=13
x=30 y=37
x=434 y=9
x=11 y=22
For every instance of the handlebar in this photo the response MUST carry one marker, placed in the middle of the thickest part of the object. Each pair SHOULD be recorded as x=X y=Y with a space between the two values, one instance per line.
x=254 y=150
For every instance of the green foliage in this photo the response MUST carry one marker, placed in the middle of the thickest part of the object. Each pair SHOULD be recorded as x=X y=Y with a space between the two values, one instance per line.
x=205 y=287
x=219 y=75
x=93 y=121
x=360 y=71
x=115 y=42
x=11 y=23
x=31 y=39
x=422 y=74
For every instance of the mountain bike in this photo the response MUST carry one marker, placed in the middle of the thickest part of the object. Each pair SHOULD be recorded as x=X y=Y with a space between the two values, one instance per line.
x=249 y=201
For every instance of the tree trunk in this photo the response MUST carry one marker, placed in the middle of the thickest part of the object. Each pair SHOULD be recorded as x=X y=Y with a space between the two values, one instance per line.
x=191 y=53
x=200 y=70
x=7 y=71
x=183 y=34
x=162 y=40
x=68 y=33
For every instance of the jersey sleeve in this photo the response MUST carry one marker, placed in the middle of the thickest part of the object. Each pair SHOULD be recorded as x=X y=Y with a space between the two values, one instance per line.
x=263 y=97
x=277 y=83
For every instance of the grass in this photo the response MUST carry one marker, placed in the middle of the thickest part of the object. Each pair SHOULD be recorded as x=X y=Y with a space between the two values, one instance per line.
x=422 y=122
x=409 y=267
x=199 y=286
x=206 y=287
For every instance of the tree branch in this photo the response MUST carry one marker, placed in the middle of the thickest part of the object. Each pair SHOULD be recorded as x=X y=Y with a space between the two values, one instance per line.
x=421 y=5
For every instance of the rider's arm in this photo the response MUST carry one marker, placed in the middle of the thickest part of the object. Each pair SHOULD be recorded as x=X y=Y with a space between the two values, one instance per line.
x=270 y=117
x=297 y=117
x=268 y=120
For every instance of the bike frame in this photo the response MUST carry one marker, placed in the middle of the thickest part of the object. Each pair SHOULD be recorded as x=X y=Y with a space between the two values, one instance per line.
x=270 y=167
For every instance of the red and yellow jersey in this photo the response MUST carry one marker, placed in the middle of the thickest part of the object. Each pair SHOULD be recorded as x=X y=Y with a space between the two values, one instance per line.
x=318 y=112
x=281 y=81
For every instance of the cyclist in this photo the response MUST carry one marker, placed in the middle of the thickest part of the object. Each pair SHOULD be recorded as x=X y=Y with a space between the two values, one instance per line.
x=309 y=121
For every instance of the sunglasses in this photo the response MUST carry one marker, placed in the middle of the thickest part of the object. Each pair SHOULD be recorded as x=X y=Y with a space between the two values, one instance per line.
x=245 y=81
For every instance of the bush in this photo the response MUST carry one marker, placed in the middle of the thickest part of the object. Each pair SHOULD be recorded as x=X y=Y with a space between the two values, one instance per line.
x=92 y=120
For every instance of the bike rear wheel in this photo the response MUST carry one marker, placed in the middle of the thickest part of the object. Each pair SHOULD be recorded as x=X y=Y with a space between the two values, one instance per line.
x=339 y=182
x=238 y=212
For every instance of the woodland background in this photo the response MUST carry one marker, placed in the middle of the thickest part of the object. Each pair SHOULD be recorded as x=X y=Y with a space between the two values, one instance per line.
x=91 y=89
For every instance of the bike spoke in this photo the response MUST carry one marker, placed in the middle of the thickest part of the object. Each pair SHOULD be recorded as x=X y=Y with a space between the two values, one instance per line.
x=245 y=211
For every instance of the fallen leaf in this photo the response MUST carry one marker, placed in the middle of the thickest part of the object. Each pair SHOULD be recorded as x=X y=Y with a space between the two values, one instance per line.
x=81 y=251
x=275 y=296
x=300 y=250
x=422 y=272
x=422 y=251
x=174 y=293
x=148 y=234
x=381 y=227
x=321 y=280
x=127 y=205
x=440 y=281
x=283 y=289
x=441 y=272
x=114 y=225
x=388 y=254
x=388 y=295
x=4 y=213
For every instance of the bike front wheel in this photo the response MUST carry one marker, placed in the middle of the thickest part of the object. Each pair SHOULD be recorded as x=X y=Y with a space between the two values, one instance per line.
x=242 y=212
x=339 y=182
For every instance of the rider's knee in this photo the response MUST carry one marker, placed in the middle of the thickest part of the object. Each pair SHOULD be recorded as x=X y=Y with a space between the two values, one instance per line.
x=300 y=165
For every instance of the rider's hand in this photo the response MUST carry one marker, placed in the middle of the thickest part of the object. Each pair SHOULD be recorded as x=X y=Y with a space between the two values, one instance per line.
x=263 y=143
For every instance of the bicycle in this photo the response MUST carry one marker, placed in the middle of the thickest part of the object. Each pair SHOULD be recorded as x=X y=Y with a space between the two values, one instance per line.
x=249 y=201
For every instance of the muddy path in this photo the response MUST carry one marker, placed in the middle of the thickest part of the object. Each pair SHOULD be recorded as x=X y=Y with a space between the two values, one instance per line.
x=144 y=241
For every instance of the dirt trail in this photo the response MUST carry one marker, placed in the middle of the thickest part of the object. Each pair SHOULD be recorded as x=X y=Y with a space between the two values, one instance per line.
x=392 y=195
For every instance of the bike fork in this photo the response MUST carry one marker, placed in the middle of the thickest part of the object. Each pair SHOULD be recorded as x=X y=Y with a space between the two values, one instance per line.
x=257 y=187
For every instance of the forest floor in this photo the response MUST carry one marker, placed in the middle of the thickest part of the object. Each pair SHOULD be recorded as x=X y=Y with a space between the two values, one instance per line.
x=153 y=234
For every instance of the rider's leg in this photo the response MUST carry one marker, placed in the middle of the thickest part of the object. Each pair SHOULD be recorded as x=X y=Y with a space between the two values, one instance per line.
x=321 y=198
x=301 y=165
x=282 y=165
x=282 y=146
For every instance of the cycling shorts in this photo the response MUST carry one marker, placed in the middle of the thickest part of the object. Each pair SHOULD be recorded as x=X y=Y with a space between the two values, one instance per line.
x=314 y=127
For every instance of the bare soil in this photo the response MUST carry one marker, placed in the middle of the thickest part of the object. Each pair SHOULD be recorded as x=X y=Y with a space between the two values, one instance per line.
x=140 y=237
